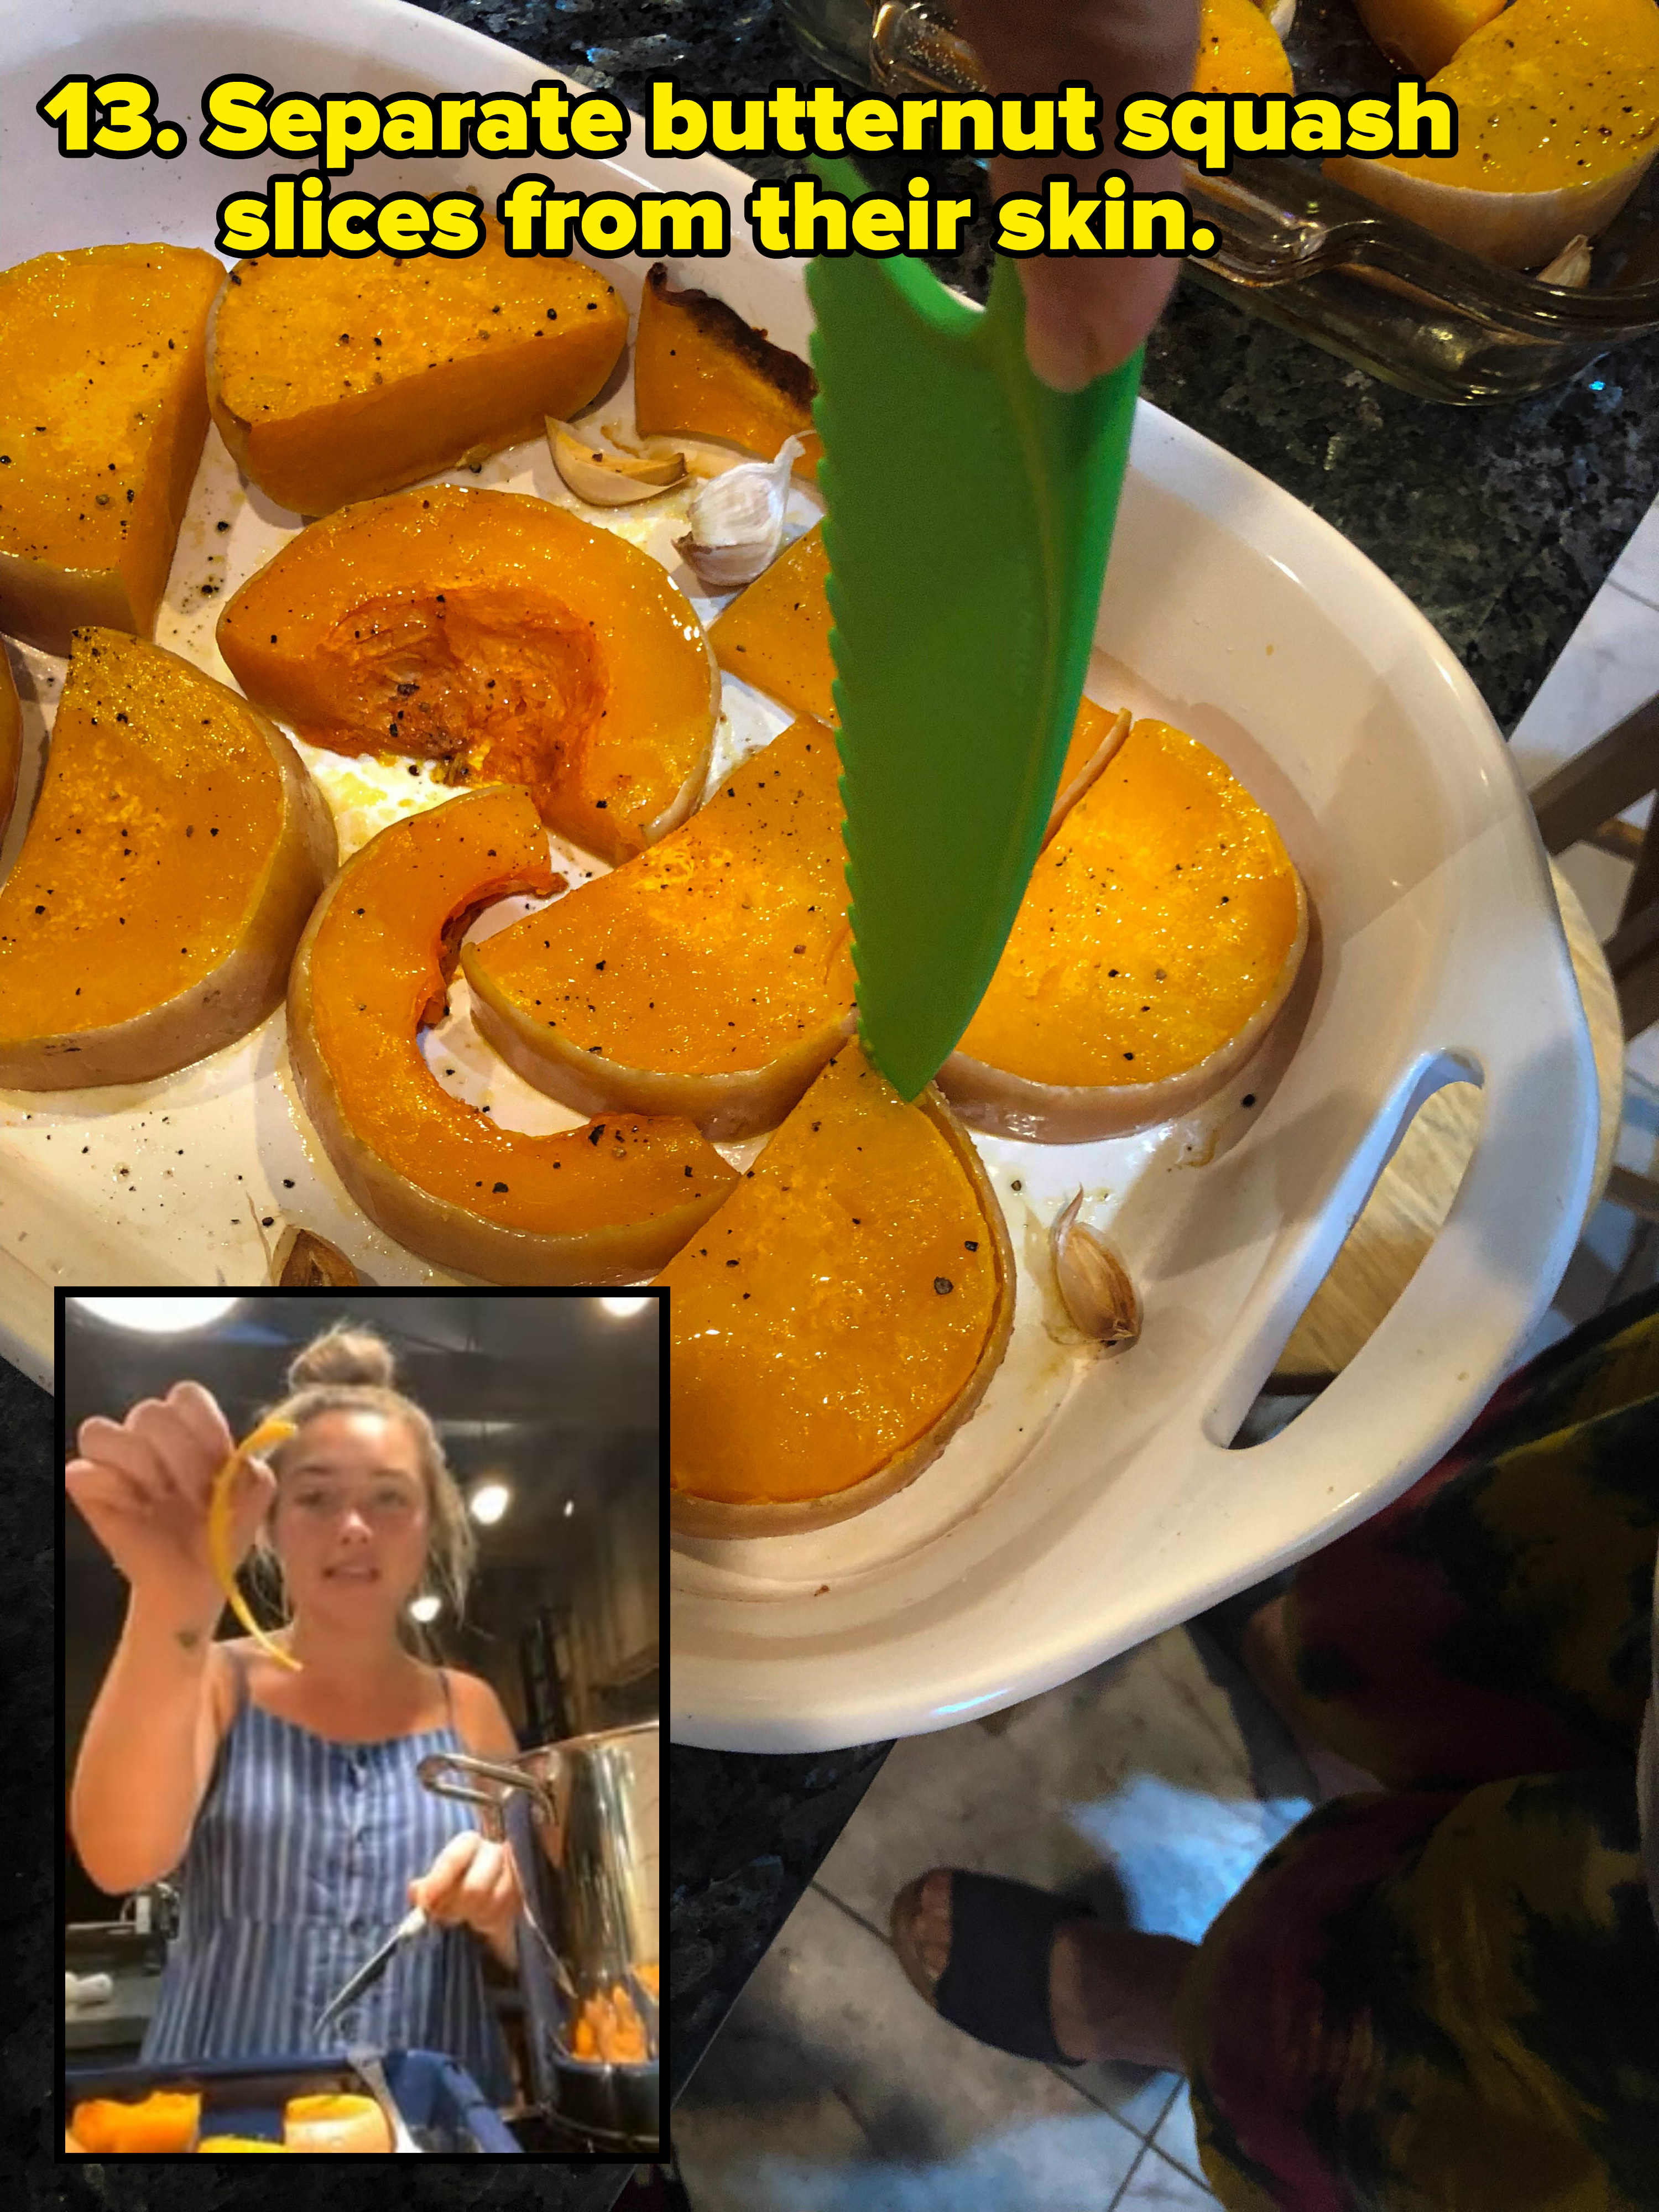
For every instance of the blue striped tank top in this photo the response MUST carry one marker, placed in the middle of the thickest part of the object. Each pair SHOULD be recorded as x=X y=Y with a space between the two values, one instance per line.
x=298 y=1869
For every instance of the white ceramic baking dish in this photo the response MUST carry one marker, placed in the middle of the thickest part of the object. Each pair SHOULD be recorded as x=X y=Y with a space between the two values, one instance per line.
x=1087 y=1504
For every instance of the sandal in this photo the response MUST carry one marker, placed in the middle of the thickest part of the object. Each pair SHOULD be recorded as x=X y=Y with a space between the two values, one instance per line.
x=996 y=1982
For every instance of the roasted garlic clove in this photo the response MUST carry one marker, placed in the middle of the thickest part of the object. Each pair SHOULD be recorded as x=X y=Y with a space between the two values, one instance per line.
x=1571 y=267
x=737 y=521
x=613 y=479
x=306 y=1262
x=1093 y=1281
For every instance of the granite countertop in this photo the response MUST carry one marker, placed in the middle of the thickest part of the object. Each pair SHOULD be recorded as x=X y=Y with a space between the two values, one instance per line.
x=1499 y=523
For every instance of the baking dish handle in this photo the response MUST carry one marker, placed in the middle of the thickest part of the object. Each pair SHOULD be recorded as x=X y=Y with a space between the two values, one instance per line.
x=1485 y=1282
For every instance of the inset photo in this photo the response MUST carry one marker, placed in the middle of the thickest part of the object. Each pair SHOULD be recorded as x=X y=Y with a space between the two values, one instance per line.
x=360 y=1628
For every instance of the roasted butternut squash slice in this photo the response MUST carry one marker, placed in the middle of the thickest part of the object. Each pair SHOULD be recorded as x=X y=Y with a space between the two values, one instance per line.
x=1239 y=50
x=604 y=1204
x=1421 y=36
x=11 y=741
x=699 y=371
x=334 y=379
x=177 y=848
x=497 y=633
x=711 y=976
x=839 y=1318
x=1557 y=105
x=1160 y=935
x=102 y=416
x=775 y=635
x=164 y=2121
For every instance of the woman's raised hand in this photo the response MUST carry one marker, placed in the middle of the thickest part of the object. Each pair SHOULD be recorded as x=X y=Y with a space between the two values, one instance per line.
x=142 y=1485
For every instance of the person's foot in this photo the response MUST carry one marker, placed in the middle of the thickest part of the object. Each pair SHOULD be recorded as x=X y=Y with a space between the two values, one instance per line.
x=1265 y=1649
x=1112 y=1991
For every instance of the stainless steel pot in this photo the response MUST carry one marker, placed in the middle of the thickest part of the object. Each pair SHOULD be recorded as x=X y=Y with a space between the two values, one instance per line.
x=581 y=1819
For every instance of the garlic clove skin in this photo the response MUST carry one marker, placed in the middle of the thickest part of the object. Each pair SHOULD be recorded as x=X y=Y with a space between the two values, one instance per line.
x=737 y=521
x=1094 y=1282
x=1282 y=14
x=1571 y=267
x=614 y=479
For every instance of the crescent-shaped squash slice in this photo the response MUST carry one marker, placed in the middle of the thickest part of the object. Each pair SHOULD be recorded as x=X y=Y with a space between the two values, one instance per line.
x=1159 y=936
x=177 y=848
x=333 y=379
x=699 y=371
x=500 y=635
x=775 y=635
x=712 y=976
x=839 y=1318
x=604 y=1204
x=1557 y=107
x=102 y=416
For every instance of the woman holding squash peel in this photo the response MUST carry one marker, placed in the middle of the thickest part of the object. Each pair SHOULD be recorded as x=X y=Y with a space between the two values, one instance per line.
x=277 y=1774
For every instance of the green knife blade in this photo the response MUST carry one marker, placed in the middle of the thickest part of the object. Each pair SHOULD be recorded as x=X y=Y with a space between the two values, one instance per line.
x=969 y=513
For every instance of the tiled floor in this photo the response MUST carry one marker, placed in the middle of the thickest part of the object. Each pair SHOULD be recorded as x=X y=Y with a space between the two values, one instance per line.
x=1150 y=1787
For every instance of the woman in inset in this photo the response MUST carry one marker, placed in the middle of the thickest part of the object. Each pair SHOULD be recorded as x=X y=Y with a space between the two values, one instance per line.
x=284 y=1801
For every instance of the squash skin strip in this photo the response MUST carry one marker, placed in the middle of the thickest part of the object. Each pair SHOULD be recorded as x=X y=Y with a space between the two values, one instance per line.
x=267 y=1434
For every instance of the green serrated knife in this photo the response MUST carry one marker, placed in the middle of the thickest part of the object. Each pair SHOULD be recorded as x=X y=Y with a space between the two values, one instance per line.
x=969 y=515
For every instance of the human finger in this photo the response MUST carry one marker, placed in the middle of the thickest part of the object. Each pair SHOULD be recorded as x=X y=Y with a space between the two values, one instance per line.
x=112 y=1444
x=1088 y=313
x=199 y=1411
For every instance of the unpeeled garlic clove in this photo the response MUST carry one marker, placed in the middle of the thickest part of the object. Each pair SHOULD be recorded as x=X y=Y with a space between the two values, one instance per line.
x=1094 y=1282
x=610 y=479
x=1282 y=14
x=1571 y=267
x=737 y=521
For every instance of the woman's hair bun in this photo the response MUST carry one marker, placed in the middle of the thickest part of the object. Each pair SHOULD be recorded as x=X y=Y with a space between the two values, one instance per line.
x=343 y=1356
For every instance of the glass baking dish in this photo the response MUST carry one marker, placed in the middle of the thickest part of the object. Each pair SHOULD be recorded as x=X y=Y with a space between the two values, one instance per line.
x=1312 y=256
